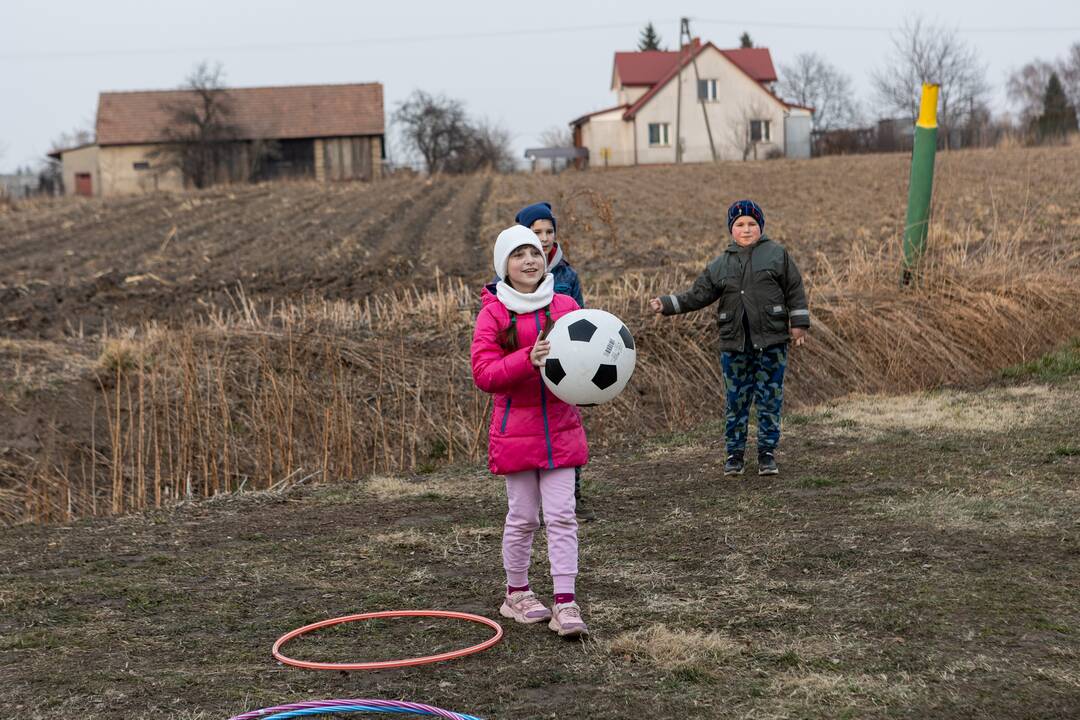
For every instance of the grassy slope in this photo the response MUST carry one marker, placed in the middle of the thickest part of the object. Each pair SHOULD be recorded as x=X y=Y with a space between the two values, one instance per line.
x=918 y=557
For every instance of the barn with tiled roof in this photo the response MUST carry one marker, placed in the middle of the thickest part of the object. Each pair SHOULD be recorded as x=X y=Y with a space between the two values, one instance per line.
x=322 y=132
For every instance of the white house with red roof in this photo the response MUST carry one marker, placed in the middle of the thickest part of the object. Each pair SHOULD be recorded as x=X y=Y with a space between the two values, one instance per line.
x=721 y=101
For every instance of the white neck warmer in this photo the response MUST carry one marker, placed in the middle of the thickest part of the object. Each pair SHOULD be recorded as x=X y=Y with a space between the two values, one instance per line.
x=520 y=302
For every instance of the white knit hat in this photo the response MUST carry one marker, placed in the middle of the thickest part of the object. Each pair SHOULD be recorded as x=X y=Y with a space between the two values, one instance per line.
x=510 y=240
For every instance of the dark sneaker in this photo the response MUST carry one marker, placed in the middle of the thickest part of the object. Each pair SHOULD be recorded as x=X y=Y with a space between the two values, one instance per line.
x=582 y=511
x=766 y=464
x=734 y=464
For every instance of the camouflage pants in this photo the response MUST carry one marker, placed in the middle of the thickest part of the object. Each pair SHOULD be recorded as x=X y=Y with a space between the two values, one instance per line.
x=758 y=377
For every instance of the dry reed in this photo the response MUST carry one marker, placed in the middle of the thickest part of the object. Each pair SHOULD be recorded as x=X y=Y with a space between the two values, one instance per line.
x=257 y=398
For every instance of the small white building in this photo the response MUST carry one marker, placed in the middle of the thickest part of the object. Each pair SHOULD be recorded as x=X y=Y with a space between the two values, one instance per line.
x=19 y=184
x=724 y=109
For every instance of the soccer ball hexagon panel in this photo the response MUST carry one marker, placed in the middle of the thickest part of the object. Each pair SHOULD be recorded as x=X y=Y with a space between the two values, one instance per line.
x=592 y=357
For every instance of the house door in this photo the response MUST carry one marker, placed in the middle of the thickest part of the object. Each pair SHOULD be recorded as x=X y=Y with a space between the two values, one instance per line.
x=83 y=185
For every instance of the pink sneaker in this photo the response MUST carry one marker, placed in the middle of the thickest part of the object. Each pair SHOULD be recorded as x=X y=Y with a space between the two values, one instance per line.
x=524 y=607
x=566 y=620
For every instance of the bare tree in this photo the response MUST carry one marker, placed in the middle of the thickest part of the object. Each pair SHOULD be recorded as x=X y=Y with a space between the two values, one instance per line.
x=488 y=148
x=76 y=137
x=438 y=130
x=1026 y=87
x=202 y=139
x=434 y=127
x=556 y=136
x=814 y=82
x=925 y=53
x=1069 y=70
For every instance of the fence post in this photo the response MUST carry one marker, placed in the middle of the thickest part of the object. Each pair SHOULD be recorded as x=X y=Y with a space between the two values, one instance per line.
x=921 y=185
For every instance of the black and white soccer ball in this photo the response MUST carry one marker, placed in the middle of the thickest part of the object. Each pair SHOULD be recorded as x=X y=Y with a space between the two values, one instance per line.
x=592 y=357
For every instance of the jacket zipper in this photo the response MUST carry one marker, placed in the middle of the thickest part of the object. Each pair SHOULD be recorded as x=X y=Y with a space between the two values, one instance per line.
x=543 y=404
x=506 y=415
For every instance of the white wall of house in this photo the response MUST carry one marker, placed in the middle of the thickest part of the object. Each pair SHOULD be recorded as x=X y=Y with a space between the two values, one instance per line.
x=739 y=100
x=630 y=94
x=79 y=161
x=133 y=169
x=609 y=132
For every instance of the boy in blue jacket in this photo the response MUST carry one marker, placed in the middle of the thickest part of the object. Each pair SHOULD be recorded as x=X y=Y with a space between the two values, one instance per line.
x=538 y=218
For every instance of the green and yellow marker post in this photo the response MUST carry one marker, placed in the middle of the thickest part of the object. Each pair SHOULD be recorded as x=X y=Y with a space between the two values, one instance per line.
x=921 y=186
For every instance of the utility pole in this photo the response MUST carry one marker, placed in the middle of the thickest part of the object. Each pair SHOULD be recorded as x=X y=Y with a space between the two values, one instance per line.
x=686 y=46
x=683 y=23
x=697 y=82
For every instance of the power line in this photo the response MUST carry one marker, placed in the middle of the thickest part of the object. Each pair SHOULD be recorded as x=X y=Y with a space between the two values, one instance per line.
x=881 y=28
x=262 y=47
x=502 y=34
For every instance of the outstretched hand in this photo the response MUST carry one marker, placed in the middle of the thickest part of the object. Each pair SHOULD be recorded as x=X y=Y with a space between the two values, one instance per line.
x=656 y=305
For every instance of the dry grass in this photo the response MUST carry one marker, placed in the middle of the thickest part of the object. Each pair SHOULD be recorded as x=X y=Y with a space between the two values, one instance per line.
x=670 y=649
x=392 y=488
x=336 y=390
x=27 y=366
x=995 y=510
x=1005 y=408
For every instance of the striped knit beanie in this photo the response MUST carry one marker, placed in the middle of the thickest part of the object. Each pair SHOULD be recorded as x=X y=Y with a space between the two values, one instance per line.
x=745 y=207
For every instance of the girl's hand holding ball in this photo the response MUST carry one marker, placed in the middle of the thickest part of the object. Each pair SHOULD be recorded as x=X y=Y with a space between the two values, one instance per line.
x=539 y=352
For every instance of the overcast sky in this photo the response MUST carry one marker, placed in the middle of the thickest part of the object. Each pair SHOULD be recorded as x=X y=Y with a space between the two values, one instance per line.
x=527 y=66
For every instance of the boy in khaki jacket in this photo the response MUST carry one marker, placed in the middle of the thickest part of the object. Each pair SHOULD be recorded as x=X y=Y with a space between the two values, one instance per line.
x=762 y=307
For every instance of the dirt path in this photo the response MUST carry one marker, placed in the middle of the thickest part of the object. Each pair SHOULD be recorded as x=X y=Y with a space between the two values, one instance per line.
x=918 y=557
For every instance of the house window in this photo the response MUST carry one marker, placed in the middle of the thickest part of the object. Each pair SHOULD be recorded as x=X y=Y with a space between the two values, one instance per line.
x=143 y=165
x=706 y=90
x=658 y=134
x=759 y=131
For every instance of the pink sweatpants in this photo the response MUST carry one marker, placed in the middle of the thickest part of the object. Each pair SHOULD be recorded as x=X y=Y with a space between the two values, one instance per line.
x=525 y=493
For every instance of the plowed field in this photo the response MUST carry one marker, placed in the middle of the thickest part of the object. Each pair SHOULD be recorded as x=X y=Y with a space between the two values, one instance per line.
x=77 y=265
x=71 y=266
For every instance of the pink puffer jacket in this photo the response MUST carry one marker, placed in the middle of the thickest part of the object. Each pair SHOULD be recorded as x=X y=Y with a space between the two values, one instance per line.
x=530 y=427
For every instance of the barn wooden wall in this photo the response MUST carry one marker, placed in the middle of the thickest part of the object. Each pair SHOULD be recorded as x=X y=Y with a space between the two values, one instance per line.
x=347 y=158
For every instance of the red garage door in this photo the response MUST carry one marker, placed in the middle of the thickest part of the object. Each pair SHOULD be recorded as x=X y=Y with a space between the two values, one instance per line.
x=83 y=185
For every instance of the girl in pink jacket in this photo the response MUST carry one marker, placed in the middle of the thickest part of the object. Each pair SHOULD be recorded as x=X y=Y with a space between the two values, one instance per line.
x=535 y=439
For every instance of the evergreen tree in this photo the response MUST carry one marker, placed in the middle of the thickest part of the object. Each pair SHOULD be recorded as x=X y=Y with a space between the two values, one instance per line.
x=745 y=41
x=1058 y=118
x=649 y=40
